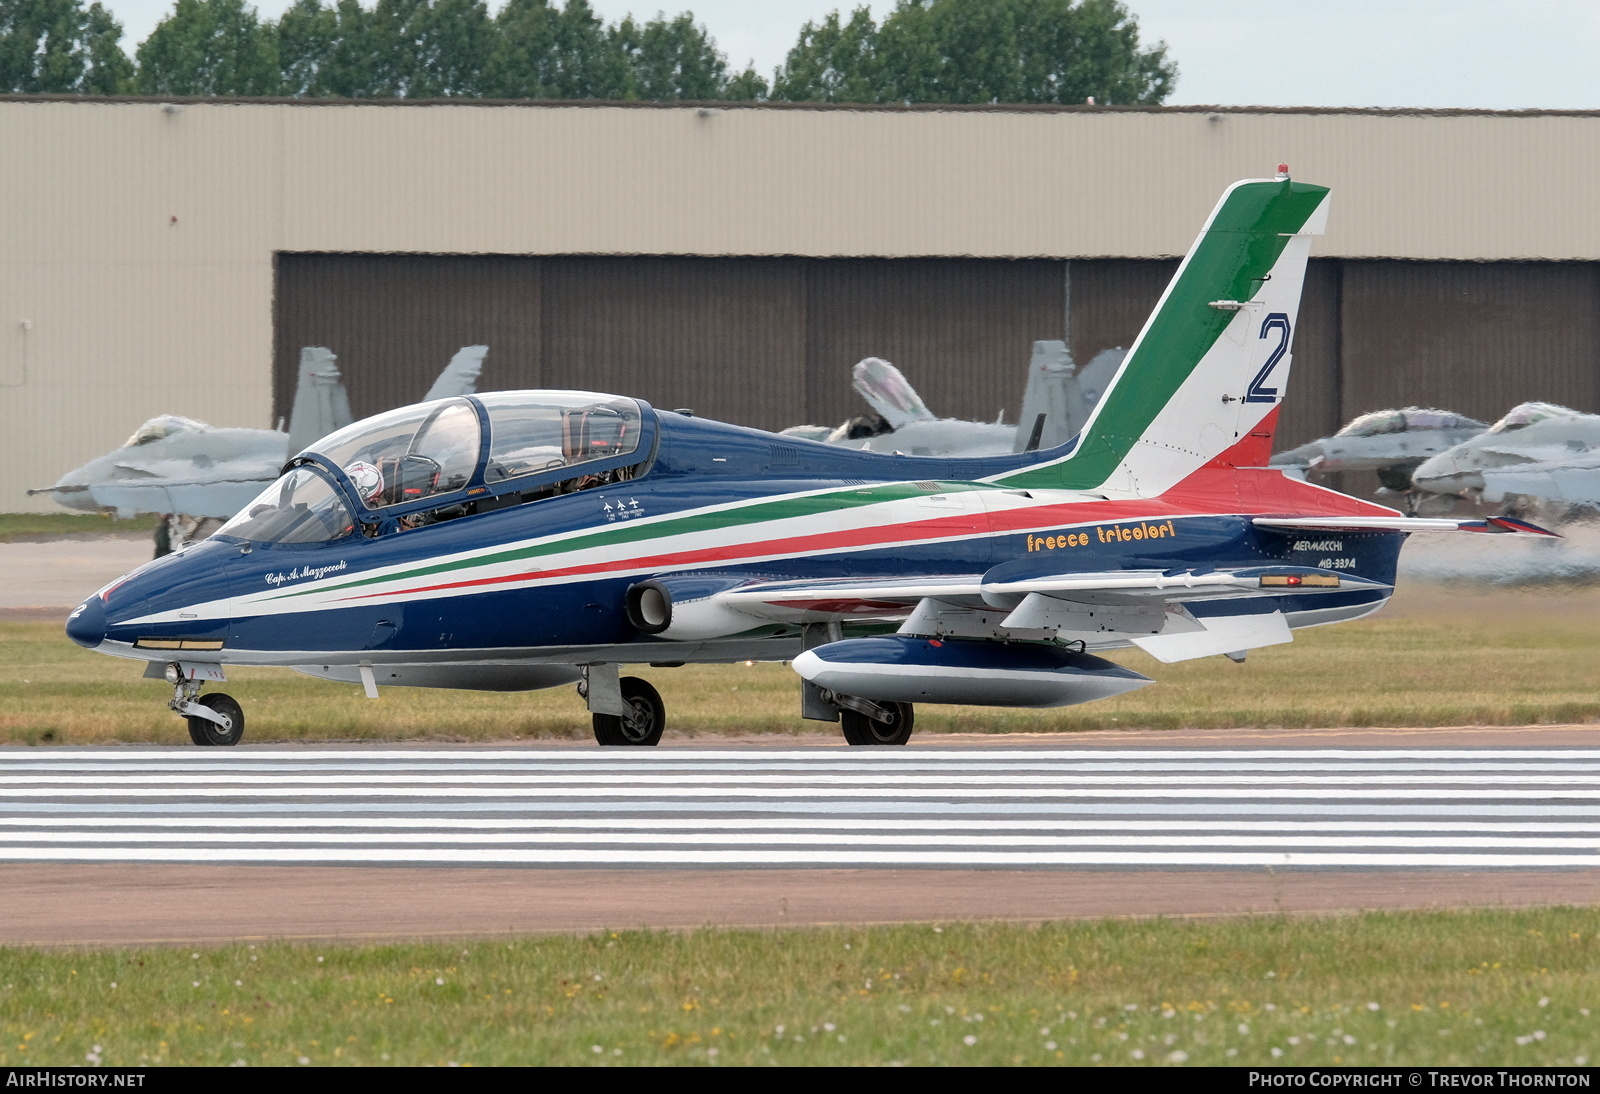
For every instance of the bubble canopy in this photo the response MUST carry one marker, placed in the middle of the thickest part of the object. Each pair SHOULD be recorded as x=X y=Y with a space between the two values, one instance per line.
x=401 y=461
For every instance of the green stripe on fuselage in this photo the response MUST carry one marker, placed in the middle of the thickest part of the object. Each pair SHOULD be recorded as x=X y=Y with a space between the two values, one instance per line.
x=756 y=512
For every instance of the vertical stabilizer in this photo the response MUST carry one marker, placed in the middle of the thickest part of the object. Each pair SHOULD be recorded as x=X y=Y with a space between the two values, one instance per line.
x=1052 y=404
x=460 y=376
x=321 y=404
x=1212 y=362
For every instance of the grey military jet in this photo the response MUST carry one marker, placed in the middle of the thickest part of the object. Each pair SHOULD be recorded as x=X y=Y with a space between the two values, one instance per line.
x=1055 y=404
x=199 y=475
x=1389 y=442
x=1538 y=458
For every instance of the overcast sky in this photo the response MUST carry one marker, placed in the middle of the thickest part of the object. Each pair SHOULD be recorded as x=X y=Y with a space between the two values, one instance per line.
x=1426 y=53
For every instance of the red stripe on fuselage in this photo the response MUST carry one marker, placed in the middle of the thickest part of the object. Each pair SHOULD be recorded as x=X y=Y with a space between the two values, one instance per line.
x=1213 y=489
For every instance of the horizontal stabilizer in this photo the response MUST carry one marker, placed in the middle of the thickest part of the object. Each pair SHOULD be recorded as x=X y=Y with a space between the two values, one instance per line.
x=1397 y=523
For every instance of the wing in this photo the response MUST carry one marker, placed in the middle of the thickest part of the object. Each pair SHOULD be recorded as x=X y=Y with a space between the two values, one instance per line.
x=1174 y=615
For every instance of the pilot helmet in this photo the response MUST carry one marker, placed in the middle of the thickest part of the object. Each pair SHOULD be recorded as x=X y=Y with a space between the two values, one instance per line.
x=366 y=478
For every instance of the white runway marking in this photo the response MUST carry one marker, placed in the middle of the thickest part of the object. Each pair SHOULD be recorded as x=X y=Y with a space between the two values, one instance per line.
x=993 y=807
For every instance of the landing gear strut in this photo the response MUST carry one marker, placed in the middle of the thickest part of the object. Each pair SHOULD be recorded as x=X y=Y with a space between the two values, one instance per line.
x=214 y=720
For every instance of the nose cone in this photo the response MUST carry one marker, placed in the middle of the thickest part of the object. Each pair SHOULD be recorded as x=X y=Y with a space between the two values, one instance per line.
x=87 y=624
x=1445 y=474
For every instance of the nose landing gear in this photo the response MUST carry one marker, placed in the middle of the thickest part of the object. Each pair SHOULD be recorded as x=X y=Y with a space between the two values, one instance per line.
x=213 y=720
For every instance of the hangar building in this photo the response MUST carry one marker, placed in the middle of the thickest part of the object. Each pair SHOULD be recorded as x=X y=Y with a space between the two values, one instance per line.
x=171 y=257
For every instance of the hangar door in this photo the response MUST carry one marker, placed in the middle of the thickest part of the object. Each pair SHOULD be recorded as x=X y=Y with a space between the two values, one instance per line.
x=767 y=342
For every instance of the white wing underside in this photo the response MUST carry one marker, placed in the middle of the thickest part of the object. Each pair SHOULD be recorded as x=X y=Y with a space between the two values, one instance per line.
x=1146 y=608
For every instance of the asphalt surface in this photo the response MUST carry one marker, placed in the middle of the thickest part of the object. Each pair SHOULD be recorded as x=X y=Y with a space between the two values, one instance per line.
x=189 y=845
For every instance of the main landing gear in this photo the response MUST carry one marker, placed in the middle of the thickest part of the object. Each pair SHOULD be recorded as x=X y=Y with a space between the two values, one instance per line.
x=626 y=710
x=865 y=722
x=213 y=720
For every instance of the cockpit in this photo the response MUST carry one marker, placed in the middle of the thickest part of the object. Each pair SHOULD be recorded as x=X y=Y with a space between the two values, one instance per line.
x=438 y=461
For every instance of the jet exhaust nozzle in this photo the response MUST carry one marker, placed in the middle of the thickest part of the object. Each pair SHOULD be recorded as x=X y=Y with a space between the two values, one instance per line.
x=685 y=608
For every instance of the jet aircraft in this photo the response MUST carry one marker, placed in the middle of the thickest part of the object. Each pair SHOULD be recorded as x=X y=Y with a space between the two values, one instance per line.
x=1056 y=402
x=1539 y=457
x=528 y=539
x=1391 y=442
x=203 y=474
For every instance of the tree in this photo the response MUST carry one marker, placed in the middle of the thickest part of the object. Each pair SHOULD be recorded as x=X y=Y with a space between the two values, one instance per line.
x=833 y=63
x=325 y=51
x=429 y=50
x=209 y=47
x=979 y=51
x=671 y=59
x=747 y=87
x=540 y=52
x=60 y=47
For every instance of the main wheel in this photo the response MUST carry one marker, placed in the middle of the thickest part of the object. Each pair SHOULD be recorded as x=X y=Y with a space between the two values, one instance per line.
x=862 y=730
x=203 y=731
x=642 y=725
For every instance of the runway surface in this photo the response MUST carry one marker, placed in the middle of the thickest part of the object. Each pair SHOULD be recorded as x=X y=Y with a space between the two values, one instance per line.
x=935 y=808
x=169 y=846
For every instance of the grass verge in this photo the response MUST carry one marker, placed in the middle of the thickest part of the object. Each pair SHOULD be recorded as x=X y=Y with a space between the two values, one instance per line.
x=1490 y=666
x=14 y=526
x=1460 y=988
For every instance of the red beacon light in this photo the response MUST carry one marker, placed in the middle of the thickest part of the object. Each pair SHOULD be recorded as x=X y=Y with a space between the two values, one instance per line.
x=1283 y=172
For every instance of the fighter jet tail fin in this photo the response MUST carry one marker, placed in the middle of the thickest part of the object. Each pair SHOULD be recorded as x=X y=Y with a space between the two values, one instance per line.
x=321 y=404
x=1204 y=379
x=460 y=376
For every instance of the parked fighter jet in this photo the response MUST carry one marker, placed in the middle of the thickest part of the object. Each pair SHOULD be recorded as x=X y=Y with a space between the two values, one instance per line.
x=1538 y=457
x=1056 y=402
x=1390 y=442
x=526 y=539
x=195 y=471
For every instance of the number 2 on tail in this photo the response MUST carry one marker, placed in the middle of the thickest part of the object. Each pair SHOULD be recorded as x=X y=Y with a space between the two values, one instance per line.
x=1256 y=392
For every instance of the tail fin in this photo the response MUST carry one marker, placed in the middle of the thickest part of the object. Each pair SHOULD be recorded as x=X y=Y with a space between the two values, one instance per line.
x=460 y=376
x=1212 y=362
x=321 y=404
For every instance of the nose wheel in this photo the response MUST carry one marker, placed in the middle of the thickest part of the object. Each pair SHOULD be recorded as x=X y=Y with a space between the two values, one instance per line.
x=213 y=719
x=644 y=722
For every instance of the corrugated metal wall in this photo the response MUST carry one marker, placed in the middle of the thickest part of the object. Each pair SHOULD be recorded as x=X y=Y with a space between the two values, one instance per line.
x=962 y=330
x=770 y=341
x=395 y=320
x=761 y=341
x=1475 y=337
x=725 y=337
